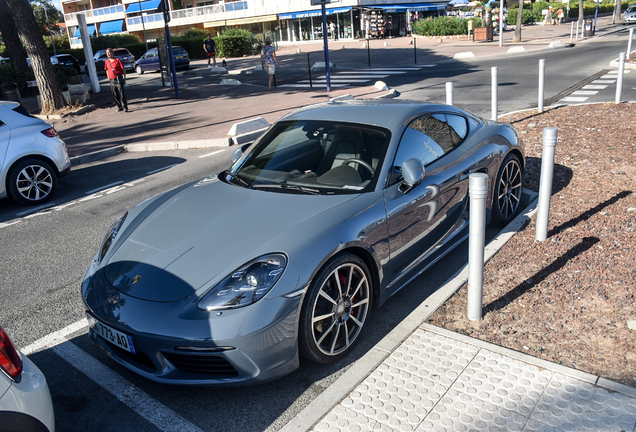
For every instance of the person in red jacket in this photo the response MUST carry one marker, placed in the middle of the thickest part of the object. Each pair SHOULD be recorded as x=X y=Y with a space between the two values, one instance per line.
x=117 y=77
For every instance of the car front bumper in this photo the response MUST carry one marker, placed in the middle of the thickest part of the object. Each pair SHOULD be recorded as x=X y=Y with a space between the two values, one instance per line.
x=176 y=343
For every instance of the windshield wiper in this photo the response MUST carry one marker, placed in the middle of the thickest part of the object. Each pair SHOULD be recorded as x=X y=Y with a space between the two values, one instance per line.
x=236 y=177
x=287 y=187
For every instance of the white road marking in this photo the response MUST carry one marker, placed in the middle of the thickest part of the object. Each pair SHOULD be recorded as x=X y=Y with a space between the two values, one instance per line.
x=574 y=99
x=139 y=401
x=211 y=154
x=336 y=80
x=368 y=77
x=401 y=68
x=35 y=209
x=6 y=224
x=378 y=72
x=594 y=87
x=584 y=92
x=161 y=169
x=104 y=187
x=603 y=81
x=307 y=85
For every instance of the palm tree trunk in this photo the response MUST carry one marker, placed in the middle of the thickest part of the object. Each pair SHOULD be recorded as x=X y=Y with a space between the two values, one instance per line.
x=517 y=37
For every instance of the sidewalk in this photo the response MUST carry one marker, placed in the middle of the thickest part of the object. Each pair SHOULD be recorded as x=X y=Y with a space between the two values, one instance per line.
x=419 y=377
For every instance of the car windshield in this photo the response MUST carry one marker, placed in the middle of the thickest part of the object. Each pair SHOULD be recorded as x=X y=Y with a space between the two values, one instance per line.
x=631 y=9
x=323 y=157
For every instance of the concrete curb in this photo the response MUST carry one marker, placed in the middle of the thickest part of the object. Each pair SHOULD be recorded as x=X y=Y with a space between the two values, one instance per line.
x=179 y=145
x=82 y=110
x=97 y=155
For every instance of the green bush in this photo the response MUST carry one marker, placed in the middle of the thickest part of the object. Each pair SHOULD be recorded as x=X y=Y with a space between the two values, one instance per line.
x=194 y=33
x=443 y=26
x=527 y=18
x=113 y=41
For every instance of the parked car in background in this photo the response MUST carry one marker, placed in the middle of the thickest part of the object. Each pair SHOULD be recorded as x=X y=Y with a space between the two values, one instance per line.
x=67 y=61
x=630 y=15
x=25 y=399
x=32 y=156
x=127 y=59
x=149 y=62
x=228 y=279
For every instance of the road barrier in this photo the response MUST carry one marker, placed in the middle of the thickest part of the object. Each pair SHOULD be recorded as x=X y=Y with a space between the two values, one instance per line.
x=478 y=191
x=619 y=79
x=545 y=182
x=493 y=80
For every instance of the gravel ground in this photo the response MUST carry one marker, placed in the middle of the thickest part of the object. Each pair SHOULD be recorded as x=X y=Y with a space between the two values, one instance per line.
x=569 y=299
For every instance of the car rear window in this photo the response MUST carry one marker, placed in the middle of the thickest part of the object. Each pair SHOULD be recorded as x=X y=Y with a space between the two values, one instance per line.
x=121 y=53
x=179 y=50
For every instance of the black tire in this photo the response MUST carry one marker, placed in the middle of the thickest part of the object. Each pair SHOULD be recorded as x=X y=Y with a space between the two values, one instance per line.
x=31 y=182
x=340 y=296
x=507 y=191
x=139 y=70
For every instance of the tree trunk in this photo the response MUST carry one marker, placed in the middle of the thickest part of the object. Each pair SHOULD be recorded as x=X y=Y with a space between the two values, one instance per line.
x=581 y=13
x=517 y=37
x=50 y=90
x=617 y=11
x=12 y=40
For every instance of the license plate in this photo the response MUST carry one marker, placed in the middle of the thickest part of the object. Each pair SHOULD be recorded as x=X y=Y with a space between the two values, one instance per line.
x=113 y=336
x=179 y=57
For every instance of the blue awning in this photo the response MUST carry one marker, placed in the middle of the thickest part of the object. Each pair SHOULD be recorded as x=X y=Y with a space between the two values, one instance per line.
x=412 y=7
x=111 y=27
x=143 y=6
x=91 y=31
x=313 y=13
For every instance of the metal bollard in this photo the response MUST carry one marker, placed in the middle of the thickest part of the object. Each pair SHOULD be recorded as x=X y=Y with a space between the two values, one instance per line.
x=619 y=80
x=309 y=69
x=571 y=30
x=415 y=49
x=449 y=93
x=541 y=83
x=478 y=190
x=493 y=80
x=545 y=183
x=629 y=43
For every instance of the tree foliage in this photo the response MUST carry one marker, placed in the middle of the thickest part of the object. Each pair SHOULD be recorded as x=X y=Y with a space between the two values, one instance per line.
x=53 y=14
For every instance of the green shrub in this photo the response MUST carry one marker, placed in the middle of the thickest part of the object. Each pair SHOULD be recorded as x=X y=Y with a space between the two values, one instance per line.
x=113 y=41
x=443 y=26
x=194 y=33
x=527 y=17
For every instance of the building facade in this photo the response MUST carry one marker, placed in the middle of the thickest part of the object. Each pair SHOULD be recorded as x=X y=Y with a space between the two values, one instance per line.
x=284 y=20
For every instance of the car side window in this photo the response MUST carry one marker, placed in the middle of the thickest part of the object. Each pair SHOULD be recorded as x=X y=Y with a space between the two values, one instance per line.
x=428 y=138
x=458 y=128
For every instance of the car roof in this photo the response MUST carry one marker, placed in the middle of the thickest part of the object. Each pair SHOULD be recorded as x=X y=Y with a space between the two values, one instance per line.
x=9 y=104
x=388 y=113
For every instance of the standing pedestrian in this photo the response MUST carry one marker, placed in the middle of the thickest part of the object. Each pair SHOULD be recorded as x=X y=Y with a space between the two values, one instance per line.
x=210 y=48
x=269 y=60
x=548 y=16
x=560 y=15
x=117 y=77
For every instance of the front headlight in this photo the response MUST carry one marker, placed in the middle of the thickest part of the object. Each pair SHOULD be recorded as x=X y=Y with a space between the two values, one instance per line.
x=110 y=237
x=246 y=285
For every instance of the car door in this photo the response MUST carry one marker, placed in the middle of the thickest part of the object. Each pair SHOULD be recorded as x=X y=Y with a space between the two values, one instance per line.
x=5 y=136
x=421 y=219
x=150 y=61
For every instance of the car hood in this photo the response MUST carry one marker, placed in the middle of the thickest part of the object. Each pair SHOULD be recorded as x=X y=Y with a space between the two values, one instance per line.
x=203 y=233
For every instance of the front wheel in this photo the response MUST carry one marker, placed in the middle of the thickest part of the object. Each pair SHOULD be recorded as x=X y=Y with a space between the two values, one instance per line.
x=335 y=310
x=31 y=182
x=139 y=70
x=508 y=189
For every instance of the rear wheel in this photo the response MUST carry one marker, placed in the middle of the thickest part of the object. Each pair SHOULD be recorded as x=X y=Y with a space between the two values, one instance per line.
x=508 y=189
x=31 y=182
x=335 y=309
x=139 y=70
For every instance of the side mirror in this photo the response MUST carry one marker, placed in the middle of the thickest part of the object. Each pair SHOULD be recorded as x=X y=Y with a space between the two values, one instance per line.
x=236 y=155
x=412 y=173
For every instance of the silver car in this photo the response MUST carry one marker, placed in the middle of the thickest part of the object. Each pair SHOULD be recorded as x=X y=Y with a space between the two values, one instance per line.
x=629 y=16
x=32 y=156
x=227 y=280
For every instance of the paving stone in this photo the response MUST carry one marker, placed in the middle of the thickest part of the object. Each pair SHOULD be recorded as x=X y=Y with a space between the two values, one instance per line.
x=341 y=419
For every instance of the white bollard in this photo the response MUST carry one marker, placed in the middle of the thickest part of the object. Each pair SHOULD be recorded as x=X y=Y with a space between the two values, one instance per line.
x=449 y=93
x=629 y=43
x=571 y=30
x=619 y=80
x=545 y=182
x=541 y=83
x=577 y=30
x=493 y=80
x=582 y=29
x=478 y=191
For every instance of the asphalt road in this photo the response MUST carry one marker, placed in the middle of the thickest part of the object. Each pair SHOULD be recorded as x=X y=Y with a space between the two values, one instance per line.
x=45 y=252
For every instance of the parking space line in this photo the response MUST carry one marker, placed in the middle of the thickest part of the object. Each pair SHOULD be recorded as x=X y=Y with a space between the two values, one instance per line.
x=211 y=154
x=134 y=398
x=104 y=187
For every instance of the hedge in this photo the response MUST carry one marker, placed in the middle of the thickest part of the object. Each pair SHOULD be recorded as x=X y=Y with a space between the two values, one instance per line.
x=443 y=26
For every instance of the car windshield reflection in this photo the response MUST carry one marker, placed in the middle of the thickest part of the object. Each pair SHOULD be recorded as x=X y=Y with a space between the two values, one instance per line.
x=315 y=157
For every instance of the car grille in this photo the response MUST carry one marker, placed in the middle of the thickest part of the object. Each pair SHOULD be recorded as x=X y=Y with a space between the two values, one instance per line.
x=206 y=364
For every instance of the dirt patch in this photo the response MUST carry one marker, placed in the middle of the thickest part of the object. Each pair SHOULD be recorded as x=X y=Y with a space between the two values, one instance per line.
x=569 y=299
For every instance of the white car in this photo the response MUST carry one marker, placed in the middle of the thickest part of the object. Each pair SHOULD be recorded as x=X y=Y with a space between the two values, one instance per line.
x=629 y=17
x=25 y=400
x=32 y=156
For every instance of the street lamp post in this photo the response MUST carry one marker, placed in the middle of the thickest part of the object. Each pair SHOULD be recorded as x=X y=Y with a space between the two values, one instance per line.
x=143 y=26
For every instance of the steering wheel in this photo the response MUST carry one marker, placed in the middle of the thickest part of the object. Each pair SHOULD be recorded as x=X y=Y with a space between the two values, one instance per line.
x=367 y=165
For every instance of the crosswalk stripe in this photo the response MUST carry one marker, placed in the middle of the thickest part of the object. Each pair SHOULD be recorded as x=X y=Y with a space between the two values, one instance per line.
x=378 y=72
x=594 y=87
x=397 y=68
x=368 y=77
x=604 y=81
x=336 y=80
x=573 y=99
x=585 y=92
x=315 y=85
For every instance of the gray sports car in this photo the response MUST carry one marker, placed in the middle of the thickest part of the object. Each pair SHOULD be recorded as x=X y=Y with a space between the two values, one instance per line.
x=227 y=280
